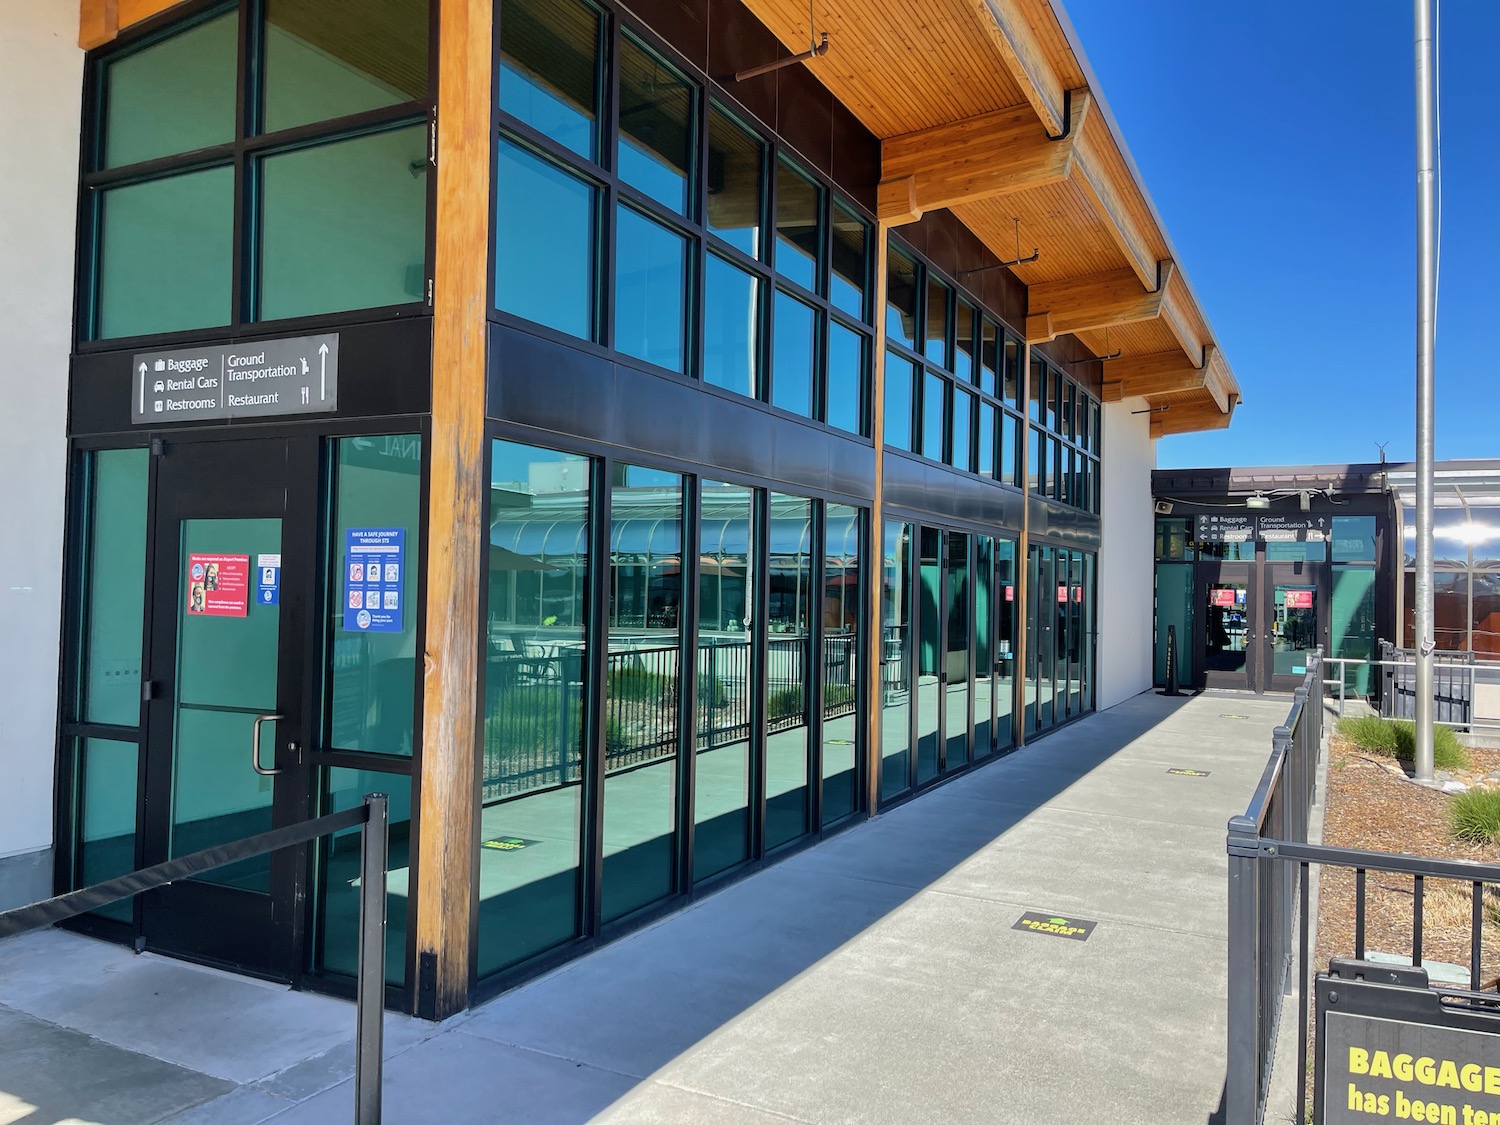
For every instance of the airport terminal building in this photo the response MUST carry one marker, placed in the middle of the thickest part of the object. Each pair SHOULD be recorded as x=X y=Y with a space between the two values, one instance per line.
x=641 y=438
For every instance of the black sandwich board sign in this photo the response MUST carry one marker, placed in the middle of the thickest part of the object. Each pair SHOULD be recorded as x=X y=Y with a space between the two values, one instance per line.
x=250 y=379
x=1389 y=1049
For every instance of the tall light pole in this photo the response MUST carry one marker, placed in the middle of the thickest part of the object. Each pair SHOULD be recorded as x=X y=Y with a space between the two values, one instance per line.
x=1426 y=345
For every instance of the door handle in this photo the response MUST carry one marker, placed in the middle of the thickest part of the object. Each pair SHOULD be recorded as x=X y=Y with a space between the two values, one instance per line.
x=255 y=745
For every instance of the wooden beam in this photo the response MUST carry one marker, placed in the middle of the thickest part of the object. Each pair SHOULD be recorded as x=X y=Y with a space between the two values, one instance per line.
x=1023 y=55
x=455 y=542
x=1107 y=198
x=98 y=23
x=1102 y=300
x=992 y=154
x=1192 y=418
x=1155 y=374
x=1175 y=316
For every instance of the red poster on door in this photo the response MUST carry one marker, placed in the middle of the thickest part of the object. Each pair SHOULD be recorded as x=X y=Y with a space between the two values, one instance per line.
x=1299 y=599
x=1223 y=597
x=218 y=585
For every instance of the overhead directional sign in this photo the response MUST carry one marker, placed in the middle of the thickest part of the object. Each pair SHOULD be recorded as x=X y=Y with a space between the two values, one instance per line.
x=253 y=379
x=1293 y=529
x=1226 y=529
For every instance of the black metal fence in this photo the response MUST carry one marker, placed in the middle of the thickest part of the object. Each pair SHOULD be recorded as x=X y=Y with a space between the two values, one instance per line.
x=369 y=1014
x=1458 y=678
x=533 y=727
x=1271 y=871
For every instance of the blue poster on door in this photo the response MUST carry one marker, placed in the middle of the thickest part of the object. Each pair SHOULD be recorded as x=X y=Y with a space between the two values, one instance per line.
x=374 y=569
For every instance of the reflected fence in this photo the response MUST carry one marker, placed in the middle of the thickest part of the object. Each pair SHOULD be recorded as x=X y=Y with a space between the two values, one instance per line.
x=533 y=732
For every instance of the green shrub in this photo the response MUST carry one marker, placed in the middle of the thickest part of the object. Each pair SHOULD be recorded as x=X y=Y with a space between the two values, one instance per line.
x=838 y=695
x=632 y=682
x=1397 y=738
x=784 y=704
x=1475 y=816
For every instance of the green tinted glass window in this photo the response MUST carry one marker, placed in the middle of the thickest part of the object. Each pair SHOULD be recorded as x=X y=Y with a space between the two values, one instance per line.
x=373 y=676
x=327 y=60
x=1353 y=539
x=105 y=811
x=174 y=96
x=166 y=249
x=337 y=942
x=344 y=226
x=114 y=586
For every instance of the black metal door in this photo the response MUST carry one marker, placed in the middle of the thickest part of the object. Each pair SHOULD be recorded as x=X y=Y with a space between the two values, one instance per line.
x=231 y=640
x=1227 y=626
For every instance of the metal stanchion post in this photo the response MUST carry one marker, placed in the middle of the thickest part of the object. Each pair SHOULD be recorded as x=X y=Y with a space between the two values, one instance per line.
x=370 y=988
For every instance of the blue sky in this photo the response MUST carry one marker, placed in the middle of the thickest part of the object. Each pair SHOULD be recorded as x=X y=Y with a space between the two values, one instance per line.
x=1278 y=142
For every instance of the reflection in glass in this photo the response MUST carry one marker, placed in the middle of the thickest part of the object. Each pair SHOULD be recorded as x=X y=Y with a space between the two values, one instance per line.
x=1038 y=391
x=373 y=680
x=337 y=942
x=729 y=628
x=549 y=70
x=731 y=327
x=1353 y=539
x=990 y=359
x=984 y=441
x=851 y=262
x=736 y=177
x=114 y=588
x=641 y=702
x=545 y=223
x=1005 y=639
x=1226 y=617
x=1351 y=617
x=959 y=436
x=1090 y=699
x=899 y=374
x=650 y=290
x=1294 y=628
x=1174 y=611
x=842 y=602
x=1011 y=391
x=174 y=96
x=656 y=125
x=344 y=226
x=794 y=338
x=963 y=335
x=982 y=680
x=958 y=618
x=1077 y=642
x=939 y=300
x=846 y=379
x=536 y=653
x=319 y=65
x=931 y=652
x=934 y=415
x=799 y=207
x=901 y=298
x=896 y=665
x=789 y=659
x=166 y=249
x=105 y=816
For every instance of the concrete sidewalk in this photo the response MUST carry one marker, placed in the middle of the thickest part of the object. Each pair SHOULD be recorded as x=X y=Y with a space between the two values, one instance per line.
x=875 y=978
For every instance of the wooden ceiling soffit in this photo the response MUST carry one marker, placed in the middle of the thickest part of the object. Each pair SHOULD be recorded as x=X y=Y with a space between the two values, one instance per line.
x=101 y=21
x=1182 y=419
x=1078 y=304
x=1156 y=374
x=997 y=153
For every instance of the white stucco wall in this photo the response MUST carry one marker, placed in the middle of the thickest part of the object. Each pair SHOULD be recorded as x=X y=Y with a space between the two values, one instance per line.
x=41 y=72
x=1125 y=555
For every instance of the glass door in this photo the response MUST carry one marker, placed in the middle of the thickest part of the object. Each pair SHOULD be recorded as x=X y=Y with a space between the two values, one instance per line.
x=1295 y=601
x=1226 y=596
x=229 y=640
x=956 y=662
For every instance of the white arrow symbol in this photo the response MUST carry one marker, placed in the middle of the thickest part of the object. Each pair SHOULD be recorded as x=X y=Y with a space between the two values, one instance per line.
x=323 y=372
x=143 y=388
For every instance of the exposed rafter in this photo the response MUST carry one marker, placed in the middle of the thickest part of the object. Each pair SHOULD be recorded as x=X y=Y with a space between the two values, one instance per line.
x=992 y=154
x=1155 y=374
x=1101 y=300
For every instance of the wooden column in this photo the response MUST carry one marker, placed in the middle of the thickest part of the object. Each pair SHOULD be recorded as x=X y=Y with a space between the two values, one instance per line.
x=446 y=842
x=875 y=644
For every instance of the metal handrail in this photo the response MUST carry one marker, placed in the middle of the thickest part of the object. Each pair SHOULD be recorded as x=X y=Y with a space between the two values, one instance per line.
x=371 y=815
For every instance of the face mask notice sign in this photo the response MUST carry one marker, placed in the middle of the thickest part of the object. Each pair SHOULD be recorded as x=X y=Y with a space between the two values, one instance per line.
x=374 y=567
x=1077 y=929
x=218 y=585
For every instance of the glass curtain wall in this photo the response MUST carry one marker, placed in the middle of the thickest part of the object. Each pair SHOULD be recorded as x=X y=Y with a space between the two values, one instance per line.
x=843 y=650
x=957 y=663
x=930 y=652
x=789 y=659
x=1060 y=657
x=896 y=665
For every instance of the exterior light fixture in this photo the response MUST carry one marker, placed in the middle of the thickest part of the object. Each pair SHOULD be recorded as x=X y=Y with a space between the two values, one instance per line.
x=1259 y=500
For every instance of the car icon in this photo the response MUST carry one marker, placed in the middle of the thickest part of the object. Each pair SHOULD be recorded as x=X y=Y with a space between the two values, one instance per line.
x=160 y=386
